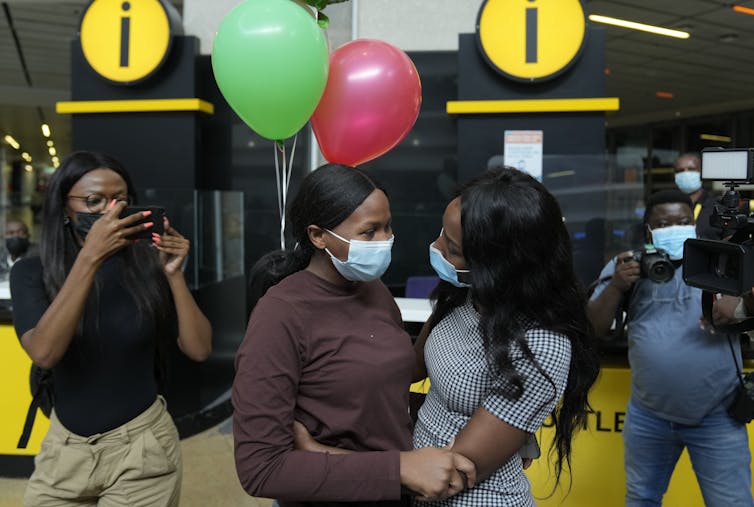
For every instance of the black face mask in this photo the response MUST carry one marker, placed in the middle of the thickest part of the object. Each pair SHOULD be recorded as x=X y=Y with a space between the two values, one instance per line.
x=17 y=245
x=84 y=222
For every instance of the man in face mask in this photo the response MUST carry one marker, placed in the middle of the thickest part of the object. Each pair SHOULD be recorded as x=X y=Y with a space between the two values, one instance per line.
x=682 y=376
x=688 y=178
x=17 y=241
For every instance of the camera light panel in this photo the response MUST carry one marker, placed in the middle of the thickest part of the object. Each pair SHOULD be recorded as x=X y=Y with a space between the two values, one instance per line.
x=726 y=165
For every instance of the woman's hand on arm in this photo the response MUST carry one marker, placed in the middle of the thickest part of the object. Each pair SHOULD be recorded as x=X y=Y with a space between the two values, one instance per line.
x=434 y=474
x=488 y=442
x=194 y=329
x=49 y=340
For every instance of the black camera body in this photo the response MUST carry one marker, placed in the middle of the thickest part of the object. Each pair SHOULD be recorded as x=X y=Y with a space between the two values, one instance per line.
x=742 y=409
x=655 y=264
x=725 y=267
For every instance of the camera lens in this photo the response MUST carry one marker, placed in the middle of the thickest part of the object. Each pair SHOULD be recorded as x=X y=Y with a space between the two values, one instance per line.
x=660 y=270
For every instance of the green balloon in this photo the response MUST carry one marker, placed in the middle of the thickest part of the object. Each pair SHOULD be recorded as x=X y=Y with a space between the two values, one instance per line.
x=270 y=61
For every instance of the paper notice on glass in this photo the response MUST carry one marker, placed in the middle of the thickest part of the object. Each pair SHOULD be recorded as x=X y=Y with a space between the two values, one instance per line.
x=523 y=150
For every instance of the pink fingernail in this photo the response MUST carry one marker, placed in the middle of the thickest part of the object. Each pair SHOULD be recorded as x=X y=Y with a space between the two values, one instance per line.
x=146 y=213
x=148 y=225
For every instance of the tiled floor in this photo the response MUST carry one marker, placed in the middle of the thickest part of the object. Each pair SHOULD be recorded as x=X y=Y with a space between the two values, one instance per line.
x=209 y=475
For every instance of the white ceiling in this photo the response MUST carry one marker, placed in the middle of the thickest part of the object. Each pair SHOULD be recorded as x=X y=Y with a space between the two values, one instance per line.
x=708 y=73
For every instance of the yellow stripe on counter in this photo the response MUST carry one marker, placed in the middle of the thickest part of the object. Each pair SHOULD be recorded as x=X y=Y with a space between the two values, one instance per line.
x=134 y=106
x=532 y=106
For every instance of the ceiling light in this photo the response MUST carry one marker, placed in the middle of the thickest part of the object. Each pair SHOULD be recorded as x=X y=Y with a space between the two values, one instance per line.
x=9 y=139
x=664 y=95
x=45 y=130
x=50 y=143
x=639 y=26
x=55 y=164
x=55 y=161
x=26 y=156
x=28 y=168
x=52 y=151
x=715 y=137
x=743 y=10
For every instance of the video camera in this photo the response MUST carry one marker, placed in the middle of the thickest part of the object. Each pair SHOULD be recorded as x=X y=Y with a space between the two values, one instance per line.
x=726 y=266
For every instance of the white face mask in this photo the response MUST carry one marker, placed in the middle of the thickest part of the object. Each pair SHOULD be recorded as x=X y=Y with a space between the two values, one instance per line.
x=688 y=181
x=671 y=239
x=367 y=260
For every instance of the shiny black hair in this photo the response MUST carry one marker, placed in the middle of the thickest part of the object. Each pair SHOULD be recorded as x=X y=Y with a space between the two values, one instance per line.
x=327 y=196
x=518 y=252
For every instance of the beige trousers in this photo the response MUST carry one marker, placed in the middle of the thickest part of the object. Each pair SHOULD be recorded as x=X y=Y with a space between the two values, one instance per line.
x=135 y=465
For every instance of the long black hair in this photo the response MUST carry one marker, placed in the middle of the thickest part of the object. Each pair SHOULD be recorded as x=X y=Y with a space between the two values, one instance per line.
x=141 y=271
x=519 y=253
x=327 y=196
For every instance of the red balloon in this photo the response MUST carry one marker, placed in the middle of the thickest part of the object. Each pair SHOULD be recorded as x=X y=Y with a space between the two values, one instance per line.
x=371 y=101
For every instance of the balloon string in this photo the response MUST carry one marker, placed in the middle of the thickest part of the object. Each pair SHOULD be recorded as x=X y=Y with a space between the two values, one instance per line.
x=279 y=182
x=284 y=195
x=287 y=172
x=283 y=181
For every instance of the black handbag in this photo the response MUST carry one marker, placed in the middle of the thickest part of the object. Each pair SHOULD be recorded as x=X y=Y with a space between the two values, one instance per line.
x=742 y=408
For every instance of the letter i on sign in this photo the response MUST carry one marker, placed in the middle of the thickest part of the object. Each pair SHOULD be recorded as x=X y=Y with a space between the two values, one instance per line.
x=125 y=35
x=531 y=34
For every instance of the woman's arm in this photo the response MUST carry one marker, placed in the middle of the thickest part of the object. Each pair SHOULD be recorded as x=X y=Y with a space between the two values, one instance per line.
x=418 y=467
x=601 y=310
x=194 y=329
x=489 y=442
x=47 y=342
x=490 y=438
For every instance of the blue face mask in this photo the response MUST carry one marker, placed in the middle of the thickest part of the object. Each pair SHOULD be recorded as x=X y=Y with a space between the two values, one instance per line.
x=688 y=181
x=671 y=239
x=444 y=269
x=367 y=260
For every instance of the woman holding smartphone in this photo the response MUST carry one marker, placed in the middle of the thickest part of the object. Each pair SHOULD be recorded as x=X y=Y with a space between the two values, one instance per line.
x=97 y=308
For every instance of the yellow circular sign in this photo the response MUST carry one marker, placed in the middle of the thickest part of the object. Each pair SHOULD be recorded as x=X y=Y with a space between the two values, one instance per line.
x=125 y=41
x=531 y=40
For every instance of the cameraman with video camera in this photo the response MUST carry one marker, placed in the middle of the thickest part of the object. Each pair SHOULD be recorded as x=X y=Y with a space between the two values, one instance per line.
x=682 y=380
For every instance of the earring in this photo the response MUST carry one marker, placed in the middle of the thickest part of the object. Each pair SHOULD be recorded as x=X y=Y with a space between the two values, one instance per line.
x=66 y=220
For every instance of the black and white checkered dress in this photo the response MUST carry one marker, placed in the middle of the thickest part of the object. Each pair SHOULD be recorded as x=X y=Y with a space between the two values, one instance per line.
x=461 y=382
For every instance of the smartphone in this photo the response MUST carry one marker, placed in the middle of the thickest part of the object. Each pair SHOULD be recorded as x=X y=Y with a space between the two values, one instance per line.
x=157 y=218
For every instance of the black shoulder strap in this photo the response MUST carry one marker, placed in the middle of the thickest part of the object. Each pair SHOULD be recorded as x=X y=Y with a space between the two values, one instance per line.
x=31 y=415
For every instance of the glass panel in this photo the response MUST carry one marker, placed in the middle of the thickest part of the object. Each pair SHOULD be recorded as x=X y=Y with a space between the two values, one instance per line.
x=221 y=227
x=666 y=146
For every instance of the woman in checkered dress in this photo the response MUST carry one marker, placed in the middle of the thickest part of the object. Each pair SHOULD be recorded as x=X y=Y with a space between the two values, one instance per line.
x=508 y=343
